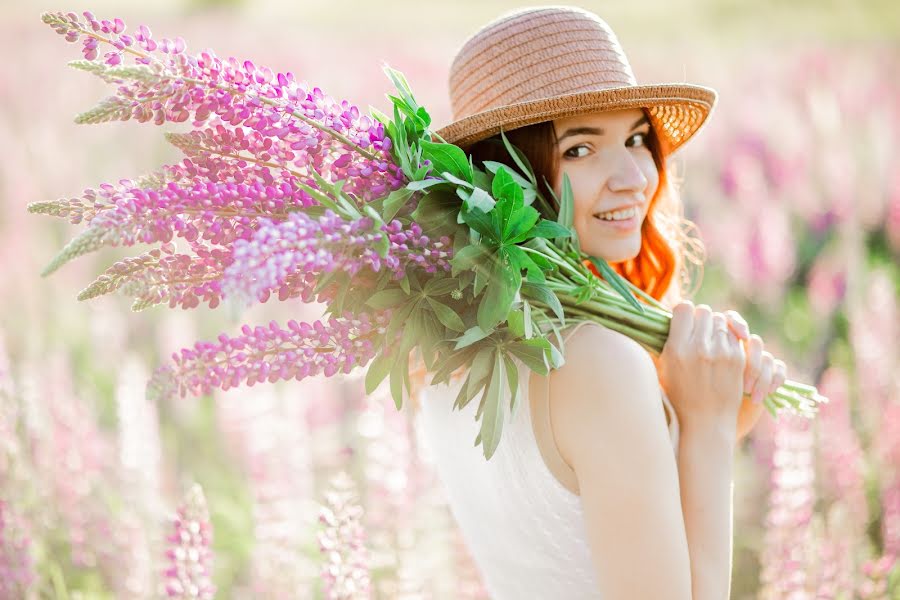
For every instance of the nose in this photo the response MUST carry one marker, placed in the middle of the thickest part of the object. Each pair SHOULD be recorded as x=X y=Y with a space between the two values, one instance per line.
x=627 y=175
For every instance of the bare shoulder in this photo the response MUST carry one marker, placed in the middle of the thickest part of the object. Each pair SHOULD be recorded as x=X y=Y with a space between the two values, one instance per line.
x=609 y=426
x=608 y=384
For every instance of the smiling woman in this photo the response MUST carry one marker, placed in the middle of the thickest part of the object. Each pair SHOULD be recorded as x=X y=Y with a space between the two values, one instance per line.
x=561 y=489
x=614 y=161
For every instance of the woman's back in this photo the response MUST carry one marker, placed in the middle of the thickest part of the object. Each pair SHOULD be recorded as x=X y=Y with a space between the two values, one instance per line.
x=520 y=512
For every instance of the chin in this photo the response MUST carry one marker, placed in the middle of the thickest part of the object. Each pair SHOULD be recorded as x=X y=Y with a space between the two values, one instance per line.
x=616 y=253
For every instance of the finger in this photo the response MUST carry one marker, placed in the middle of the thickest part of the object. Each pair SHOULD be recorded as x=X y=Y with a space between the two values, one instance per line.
x=737 y=324
x=720 y=341
x=702 y=326
x=754 y=362
x=765 y=379
x=682 y=325
x=779 y=375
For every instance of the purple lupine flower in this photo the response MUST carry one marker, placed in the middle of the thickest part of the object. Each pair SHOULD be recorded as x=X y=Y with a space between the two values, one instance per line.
x=308 y=123
x=324 y=244
x=17 y=569
x=189 y=574
x=162 y=275
x=272 y=353
x=345 y=572
x=788 y=537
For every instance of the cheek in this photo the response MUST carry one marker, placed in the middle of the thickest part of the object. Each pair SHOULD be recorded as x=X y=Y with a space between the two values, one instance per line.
x=651 y=174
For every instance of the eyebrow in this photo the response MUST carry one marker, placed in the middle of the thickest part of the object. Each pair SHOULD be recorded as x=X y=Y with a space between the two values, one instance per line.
x=595 y=130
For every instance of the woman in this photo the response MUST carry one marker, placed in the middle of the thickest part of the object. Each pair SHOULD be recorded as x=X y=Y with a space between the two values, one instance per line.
x=614 y=480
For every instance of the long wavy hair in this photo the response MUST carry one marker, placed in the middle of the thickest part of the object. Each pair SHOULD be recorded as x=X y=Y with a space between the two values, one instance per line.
x=669 y=265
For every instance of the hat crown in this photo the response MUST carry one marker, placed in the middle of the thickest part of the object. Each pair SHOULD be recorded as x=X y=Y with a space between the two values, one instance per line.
x=533 y=54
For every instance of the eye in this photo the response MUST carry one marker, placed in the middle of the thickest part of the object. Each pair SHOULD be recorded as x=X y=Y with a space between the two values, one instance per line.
x=568 y=153
x=644 y=137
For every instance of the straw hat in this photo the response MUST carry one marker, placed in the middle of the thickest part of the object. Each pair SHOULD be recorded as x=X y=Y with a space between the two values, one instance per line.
x=543 y=63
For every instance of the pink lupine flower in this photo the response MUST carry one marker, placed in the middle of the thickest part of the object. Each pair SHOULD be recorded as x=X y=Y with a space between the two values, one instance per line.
x=842 y=458
x=308 y=122
x=890 y=502
x=17 y=569
x=189 y=574
x=345 y=572
x=876 y=571
x=327 y=243
x=272 y=353
x=788 y=538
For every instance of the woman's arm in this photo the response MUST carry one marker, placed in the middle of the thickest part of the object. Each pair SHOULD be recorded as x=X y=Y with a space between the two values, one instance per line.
x=705 y=472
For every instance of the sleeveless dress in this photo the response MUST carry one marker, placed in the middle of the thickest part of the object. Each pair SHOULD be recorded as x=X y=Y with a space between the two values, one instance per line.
x=524 y=528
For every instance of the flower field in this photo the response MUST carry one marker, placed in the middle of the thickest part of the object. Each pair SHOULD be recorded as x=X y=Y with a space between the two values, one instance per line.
x=313 y=489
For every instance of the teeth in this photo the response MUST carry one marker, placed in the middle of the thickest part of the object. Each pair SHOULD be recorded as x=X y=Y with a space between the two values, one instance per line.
x=619 y=215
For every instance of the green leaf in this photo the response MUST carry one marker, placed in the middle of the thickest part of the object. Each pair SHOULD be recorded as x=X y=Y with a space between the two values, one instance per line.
x=499 y=294
x=469 y=390
x=512 y=374
x=477 y=377
x=398 y=319
x=482 y=276
x=492 y=420
x=394 y=202
x=549 y=230
x=613 y=279
x=466 y=258
x=400 y=366
x=494 y=166
x=519 y=224
x=505 y=188
x=519 y=158
x=471 y=335
x=424 y=184
x=440 y=286
x=522 y=260
x=481 y=222
x=480 y=199
x=436 y=212
x=532 y=352
x=566 y=209
x=544 y=295
x=516 y=321
x=378 y=370
x=447 y=157
x=454 y=179
x=446 y=315
x=526 y=309
x=454 y=361
x=386 y=298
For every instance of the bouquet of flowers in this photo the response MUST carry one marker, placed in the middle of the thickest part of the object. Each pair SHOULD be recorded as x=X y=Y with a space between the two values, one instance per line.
x=285 y=191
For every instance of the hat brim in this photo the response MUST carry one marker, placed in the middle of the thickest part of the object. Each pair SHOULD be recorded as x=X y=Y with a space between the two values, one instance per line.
x=676 y=111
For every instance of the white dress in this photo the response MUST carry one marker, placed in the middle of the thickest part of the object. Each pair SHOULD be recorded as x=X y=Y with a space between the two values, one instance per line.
x=524 y=529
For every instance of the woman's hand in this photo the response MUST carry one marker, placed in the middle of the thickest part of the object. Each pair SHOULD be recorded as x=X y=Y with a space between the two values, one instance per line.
x=763 y=374
x=701 y=368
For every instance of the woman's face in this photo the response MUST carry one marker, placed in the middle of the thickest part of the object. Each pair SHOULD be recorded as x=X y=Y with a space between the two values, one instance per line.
x=610 y=166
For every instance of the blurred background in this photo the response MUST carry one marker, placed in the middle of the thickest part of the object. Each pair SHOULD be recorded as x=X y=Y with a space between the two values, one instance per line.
x=297 y=490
